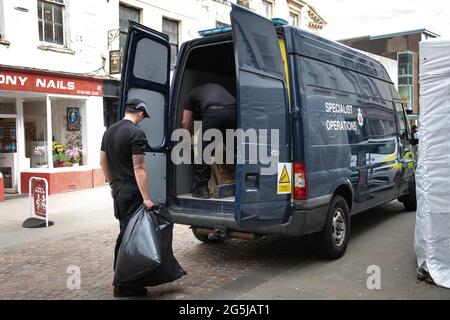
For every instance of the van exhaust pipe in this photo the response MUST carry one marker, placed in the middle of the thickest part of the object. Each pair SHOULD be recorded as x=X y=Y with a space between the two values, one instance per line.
x=222 y=233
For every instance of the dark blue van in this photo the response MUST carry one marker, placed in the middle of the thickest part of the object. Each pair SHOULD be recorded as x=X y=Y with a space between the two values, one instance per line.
x=341 y=123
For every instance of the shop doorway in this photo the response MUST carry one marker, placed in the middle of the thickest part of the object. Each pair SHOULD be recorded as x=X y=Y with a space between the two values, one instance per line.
x=8 y=144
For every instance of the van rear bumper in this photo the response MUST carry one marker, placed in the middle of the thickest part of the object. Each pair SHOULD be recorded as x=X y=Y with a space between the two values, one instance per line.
x=307 y=217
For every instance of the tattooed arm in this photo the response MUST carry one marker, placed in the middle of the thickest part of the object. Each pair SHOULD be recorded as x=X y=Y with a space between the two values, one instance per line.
x=140 y=172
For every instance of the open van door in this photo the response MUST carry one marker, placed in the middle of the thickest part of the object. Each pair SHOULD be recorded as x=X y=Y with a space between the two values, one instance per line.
x=146 y=76
x=261 y=105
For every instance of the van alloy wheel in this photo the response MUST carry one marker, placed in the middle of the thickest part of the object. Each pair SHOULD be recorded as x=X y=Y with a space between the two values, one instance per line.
x=338 y=227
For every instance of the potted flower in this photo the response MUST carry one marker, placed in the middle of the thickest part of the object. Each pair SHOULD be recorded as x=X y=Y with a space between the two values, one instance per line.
x=41 y=153
x=59 y=157
x=74 y=156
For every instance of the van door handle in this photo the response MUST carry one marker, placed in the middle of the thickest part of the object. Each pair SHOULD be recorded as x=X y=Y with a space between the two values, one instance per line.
x=251 y=181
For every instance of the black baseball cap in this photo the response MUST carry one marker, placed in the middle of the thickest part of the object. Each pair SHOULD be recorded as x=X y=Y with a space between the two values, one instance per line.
x=139 y=105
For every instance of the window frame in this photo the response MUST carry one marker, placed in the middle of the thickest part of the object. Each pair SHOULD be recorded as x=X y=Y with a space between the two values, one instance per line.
x=297 y=18
x=406 y=80
x=401 y=116
x=271 y=5
x=125 y=32
x=2 y=21
x=171 y=44
x=63 y=6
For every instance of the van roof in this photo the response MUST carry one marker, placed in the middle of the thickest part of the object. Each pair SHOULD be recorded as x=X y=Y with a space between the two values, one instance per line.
x=310 y=45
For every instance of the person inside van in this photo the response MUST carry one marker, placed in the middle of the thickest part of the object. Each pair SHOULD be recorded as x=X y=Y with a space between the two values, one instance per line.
x=216 y=108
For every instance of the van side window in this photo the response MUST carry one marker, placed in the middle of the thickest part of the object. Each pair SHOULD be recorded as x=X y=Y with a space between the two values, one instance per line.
x=401 y=121
x=380 y=114
x=327 y=76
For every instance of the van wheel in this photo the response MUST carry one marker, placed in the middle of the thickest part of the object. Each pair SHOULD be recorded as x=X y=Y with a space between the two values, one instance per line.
x=409 y=201
x=332 y=241
x=204 y=238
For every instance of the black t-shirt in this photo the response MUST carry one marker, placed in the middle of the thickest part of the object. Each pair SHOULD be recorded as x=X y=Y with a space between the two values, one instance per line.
x=207 y=95
x=120 y=142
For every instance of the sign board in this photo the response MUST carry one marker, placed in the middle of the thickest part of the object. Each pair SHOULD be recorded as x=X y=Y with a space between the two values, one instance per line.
x=47 y=83
x=73 y=119
x=39 y=190
x=284 y=178
x=114 y=62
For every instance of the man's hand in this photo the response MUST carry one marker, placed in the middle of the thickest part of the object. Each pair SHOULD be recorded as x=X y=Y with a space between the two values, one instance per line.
x=148 y=204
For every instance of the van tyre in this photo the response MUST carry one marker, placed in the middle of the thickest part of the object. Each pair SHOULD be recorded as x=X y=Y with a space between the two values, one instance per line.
x=204 y=238
x=332 y=241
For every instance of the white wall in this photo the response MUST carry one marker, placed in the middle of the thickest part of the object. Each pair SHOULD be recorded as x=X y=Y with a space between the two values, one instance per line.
x=93 y=131
x=86 y=36
x=87 y=24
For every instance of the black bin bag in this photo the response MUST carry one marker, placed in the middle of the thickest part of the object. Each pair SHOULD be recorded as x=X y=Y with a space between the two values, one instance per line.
x=169 y=269
x=139 y=251
x=145 y=256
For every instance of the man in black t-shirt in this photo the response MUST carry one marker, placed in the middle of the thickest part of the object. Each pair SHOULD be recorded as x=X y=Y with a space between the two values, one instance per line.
x=122 y=162
x=216 y=107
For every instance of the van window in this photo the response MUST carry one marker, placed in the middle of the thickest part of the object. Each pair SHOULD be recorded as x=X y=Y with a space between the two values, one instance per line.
x=401 y=121
x=151 y=61
x=381 y=118
x=324 y=75
x=374 y=88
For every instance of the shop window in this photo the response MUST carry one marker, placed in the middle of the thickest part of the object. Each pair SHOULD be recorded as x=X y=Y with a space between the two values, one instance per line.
x=51 y=21
x=36 y=140
x=126 y=14
x=7 y=107
x=170 y=28
x=68 y=128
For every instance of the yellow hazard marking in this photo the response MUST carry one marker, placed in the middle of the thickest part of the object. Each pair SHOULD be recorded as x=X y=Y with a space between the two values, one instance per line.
x=284 y=176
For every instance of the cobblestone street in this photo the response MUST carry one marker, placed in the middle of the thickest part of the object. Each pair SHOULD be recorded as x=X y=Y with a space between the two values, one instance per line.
x=35 y=265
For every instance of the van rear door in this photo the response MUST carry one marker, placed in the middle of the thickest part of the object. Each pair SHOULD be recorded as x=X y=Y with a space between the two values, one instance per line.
x=145 y=75
x=262 y=106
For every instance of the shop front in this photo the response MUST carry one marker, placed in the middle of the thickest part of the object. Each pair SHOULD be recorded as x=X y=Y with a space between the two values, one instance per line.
x=51 y=126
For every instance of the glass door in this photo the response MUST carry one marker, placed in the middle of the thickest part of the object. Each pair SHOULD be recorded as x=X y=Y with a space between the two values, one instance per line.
x=8 y=143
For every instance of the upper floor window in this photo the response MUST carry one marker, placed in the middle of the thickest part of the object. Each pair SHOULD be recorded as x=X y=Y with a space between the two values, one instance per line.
x=126 y=14
x=244 y=3
x=220 y=24
x=2 y=31
x=267 y=7
x=170 y=28
x=51 y=21
x=406 y=78
x=293 y=19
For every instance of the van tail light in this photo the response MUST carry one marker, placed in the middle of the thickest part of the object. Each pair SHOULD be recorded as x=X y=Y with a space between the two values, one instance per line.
x=300 y=187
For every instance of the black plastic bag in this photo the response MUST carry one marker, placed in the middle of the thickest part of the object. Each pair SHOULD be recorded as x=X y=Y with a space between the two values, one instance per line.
x=140 y=249
x=169 y=270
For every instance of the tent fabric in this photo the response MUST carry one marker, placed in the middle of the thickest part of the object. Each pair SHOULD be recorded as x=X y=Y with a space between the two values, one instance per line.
x=432 y=232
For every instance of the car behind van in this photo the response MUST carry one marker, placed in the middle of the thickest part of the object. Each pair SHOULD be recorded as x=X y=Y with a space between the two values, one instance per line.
x=343 y=137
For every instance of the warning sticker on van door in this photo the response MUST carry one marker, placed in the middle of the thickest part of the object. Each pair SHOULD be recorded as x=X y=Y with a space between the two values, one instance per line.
x=284 y=178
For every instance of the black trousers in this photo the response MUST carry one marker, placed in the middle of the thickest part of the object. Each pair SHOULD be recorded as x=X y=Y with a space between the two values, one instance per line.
x=127 y=198
x=221 y=119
